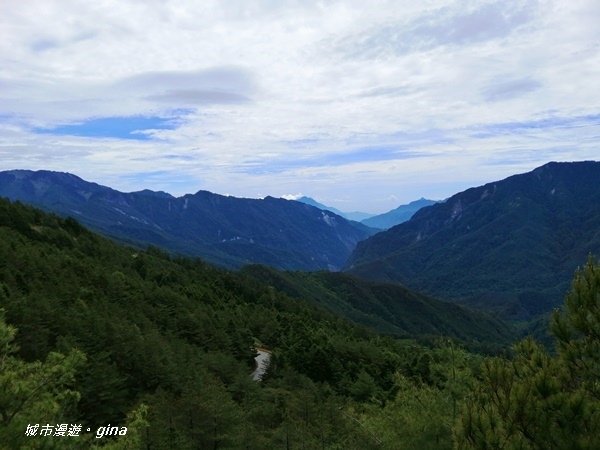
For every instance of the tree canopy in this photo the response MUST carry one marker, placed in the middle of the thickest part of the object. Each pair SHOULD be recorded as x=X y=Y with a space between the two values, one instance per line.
x=540 y=400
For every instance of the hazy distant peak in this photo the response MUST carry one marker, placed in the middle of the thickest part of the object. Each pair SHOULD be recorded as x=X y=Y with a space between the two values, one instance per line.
x=397 y=215
x=352 y=215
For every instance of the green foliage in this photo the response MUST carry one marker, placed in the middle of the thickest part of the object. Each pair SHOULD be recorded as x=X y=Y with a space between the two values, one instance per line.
x=33 y=392
x=577 y=329
x=177 y=335
x=388 y=308
x=428 y=396
x=137 y=425
x=169 y=350
x=538 y=400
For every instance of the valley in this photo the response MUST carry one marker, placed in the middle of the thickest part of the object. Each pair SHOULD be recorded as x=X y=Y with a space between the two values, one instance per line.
x=165 y=344
x=299 y=225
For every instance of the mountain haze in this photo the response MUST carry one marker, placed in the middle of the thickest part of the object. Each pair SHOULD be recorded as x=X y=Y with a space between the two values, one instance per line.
x=510 y=246
x=228 y=231
x=353 y=215
x=398 y=215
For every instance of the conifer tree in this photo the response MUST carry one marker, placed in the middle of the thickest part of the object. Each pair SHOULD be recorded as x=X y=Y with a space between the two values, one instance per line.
x=538 y=400
x=33 y=393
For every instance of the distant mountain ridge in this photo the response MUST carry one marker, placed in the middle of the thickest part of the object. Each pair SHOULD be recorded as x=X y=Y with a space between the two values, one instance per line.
x=398 y=215
x=353 y=215
x=509 y=246
x=379 y=221
x=228 y=231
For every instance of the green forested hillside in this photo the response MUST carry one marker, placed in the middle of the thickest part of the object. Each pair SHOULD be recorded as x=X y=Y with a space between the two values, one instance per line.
x=93 y=333
x=177 y=337
x=388 y=308
x=509 y=247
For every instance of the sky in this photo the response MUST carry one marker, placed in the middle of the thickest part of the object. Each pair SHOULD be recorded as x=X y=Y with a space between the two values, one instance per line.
x=361 y=105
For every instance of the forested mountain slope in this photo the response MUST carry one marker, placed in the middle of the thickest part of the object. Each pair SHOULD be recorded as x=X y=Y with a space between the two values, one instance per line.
x=93 y=333
x=225 y=230
x=177 y=336
x=387 y=308
x=509 y=246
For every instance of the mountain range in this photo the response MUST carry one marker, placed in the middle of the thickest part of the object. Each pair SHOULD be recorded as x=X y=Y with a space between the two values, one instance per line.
x=398 y=215
x=225 y=230
x=353 y=215
x=103 y=326
x=378 y=221
x=509 y=246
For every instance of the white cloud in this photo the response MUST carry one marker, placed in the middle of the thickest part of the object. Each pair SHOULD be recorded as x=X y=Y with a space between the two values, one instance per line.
x=302 y=96
x=292 y=196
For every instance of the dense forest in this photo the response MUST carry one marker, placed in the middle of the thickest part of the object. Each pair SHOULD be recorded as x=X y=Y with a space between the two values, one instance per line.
x=389 y=308
x=96 y=333
x=508 y=247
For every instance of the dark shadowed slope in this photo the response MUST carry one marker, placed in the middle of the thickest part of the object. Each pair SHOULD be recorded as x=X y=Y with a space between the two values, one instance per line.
x=225 y=230
x=387 y=308
x=509 y=246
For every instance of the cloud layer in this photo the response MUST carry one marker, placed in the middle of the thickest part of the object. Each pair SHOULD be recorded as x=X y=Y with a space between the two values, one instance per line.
x=359 y=107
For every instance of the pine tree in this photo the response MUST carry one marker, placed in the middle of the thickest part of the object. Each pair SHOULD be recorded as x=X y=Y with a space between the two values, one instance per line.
x=542 y=401
x=33 y=392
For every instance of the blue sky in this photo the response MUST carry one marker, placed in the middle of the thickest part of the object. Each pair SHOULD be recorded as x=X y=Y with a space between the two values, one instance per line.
x=362 y=108
x=134 y=127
